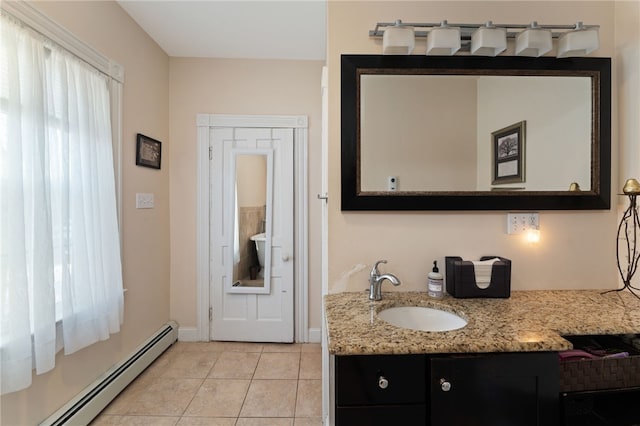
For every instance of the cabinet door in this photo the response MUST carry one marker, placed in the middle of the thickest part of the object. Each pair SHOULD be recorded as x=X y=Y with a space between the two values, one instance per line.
x=381 y=379
x=381 y=390
x=497 y=390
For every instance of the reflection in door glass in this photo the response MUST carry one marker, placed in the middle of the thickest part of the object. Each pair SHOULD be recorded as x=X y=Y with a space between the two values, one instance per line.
x=250 y=221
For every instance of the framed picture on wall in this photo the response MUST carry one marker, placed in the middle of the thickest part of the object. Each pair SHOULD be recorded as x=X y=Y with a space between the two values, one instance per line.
x=148 y=152
x=509 y=154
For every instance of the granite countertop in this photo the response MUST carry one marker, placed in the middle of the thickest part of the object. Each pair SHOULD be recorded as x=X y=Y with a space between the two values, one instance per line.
x=527 y=321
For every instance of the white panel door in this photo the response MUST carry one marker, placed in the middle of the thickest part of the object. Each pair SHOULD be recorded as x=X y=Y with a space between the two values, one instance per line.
x=238 y=313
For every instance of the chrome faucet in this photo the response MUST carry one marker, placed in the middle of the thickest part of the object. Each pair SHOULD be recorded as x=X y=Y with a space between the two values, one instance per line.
x=375 y=281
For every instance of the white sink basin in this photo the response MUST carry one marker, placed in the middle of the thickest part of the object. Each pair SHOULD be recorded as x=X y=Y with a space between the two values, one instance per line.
x=422 y=318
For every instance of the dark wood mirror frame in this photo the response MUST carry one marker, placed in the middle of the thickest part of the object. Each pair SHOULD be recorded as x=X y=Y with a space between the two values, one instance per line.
x=599 y=197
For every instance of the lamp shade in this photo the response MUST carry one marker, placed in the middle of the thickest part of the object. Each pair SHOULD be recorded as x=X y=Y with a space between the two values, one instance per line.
x=534 y=41
x=578 y=42
x=488 y=40
x=443 y=40
x=398 y=40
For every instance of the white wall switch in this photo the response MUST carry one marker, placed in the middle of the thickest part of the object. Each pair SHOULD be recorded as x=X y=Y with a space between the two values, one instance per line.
x=393 y=183
x=144 y=201
x=517 y=223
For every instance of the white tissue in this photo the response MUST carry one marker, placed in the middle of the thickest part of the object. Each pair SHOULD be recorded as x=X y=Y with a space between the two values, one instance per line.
x=483 y=271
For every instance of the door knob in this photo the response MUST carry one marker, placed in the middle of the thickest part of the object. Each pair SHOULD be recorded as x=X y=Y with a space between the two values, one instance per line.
x=383 y=383
x=445 y=385
x=285 y=257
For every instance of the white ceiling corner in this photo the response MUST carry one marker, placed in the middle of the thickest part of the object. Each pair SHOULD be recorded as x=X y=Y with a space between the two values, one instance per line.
x=248 y=29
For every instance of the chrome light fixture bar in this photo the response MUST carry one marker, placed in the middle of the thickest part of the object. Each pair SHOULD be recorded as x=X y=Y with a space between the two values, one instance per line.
x=490 y=39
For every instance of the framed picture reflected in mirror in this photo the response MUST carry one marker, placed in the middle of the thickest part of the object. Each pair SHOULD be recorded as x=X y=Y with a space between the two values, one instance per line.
x=509 y=154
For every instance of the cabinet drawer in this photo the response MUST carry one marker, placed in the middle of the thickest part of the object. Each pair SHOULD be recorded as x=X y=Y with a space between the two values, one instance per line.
x=358 y=379
x=601 y=373
x=382 y=415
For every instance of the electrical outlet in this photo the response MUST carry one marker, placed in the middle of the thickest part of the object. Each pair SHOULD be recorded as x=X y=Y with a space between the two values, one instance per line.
x=144 y=201
x=517 y=223
x=393 y=183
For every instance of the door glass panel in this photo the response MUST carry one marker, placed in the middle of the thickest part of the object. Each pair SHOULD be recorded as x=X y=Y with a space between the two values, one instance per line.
x=250 y=244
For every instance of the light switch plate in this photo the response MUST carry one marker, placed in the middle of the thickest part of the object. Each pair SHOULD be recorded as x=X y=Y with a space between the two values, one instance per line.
x=144 y=201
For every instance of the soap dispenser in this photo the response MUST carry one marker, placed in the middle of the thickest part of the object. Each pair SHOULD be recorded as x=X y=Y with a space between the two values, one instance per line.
x=435 y=282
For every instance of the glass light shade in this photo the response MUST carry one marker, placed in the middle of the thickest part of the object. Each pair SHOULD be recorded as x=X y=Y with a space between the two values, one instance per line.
x=443 y=40
x=398 y=40
x=488 y=41
x=533 y=42
x=579 y=42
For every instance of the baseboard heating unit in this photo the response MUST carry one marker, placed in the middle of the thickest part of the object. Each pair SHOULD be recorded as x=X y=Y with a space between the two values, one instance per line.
x=94 y=398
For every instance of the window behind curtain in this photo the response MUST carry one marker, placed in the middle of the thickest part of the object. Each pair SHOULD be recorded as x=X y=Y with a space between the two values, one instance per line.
x=59 y=238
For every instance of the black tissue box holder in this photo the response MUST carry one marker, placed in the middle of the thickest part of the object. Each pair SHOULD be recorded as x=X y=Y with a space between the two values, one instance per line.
x=461 y=279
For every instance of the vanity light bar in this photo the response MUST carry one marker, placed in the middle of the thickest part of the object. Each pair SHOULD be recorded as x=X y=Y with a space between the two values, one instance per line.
x=581 y=33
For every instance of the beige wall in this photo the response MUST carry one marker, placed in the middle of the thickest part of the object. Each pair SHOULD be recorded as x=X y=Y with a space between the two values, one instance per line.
x=565 y=117
x=577 y=249
x=403 y=118
x=106 y=27
x=251 y=180
x=628 y=87
x=231 y=86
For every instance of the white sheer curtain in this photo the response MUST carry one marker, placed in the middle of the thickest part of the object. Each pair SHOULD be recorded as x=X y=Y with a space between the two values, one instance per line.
x=59 y=238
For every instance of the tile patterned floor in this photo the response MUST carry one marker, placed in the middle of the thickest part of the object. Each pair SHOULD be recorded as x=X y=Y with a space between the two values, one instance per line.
x=224 y=384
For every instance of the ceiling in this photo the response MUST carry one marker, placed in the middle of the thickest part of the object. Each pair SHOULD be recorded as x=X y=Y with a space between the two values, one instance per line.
x=258 y=29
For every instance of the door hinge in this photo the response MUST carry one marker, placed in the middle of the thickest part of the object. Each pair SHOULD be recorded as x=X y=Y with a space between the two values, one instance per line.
x=210 y=153
x=210 y=314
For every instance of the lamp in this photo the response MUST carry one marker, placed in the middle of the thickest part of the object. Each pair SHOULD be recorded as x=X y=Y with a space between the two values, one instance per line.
x=581 y=41
x=533 y=41
x=533 y=236
x=488 y=40
x=398 y=39
x=628 y=230
x=574 y=187
x=443 y=40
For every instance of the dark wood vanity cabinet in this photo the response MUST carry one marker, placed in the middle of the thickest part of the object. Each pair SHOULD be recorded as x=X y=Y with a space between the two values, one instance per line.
x=474 y=389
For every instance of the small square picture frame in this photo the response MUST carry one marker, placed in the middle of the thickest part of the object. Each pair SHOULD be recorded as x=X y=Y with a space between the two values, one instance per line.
x=148 y=151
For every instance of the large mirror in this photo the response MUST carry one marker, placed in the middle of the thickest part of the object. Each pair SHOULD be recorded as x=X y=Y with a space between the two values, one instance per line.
x=475 y=133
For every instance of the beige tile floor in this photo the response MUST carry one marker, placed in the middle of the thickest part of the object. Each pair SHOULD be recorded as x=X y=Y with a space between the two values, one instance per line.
x=224 y=384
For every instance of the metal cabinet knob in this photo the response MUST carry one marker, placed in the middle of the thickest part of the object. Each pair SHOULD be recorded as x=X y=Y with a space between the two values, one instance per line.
x=445 y=385
x=383 y=383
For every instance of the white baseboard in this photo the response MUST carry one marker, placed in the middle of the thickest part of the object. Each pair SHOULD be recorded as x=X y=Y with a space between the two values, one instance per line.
x=83 y=408
x=188 y=334
x=315 y=335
